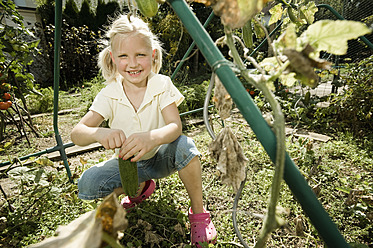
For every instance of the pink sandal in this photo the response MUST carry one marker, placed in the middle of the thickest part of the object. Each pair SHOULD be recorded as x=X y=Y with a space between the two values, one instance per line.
x=202 y=228
x=130 y=202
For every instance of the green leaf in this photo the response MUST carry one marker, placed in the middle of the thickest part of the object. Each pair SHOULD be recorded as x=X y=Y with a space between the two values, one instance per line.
x=259 y=33
x=308 y=12
x=276 y=13
x=288 y=39
x=288 y=79
x=332 y=36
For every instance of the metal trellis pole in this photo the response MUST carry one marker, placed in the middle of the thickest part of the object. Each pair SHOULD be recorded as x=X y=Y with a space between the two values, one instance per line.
x=57 y=50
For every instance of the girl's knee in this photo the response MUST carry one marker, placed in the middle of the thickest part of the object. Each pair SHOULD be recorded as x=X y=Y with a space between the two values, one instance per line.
x=98 y=181
x=87 y=186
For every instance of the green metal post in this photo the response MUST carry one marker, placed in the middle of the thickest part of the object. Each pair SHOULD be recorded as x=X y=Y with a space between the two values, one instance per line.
x=296 y=182
x=190 y=48
x=57 y=51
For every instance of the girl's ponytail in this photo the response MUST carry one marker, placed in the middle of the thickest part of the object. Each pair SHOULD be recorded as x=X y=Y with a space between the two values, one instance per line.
x=157 y=60
x=106 y=65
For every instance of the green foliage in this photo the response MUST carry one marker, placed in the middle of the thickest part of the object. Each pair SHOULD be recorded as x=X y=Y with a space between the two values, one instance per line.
x=79 y=51
x=41 y=102
x=105 y=10
x=79 y=42
x=71 y=13
x=86 y=17
x=351 y=109
x=18 y=46
x=45 y=199
x=89 y=91
x=194 y=96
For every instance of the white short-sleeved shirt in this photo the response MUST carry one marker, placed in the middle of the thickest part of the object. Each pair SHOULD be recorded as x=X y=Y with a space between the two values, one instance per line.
x=113 y=105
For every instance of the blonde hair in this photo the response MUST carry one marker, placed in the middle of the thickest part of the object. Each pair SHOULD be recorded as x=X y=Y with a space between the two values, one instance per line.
x=125 y=26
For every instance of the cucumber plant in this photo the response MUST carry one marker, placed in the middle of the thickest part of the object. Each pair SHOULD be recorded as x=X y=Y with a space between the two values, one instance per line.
x=296 y=55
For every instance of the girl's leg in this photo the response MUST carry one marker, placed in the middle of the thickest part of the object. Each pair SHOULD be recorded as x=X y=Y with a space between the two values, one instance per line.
x=102 y=179
x=99 y=180
x=191 y=177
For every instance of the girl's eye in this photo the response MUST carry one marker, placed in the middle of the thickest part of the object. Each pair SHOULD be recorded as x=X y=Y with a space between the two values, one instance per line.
x=141 y=55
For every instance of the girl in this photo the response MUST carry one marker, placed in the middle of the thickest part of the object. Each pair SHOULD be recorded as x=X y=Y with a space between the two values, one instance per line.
x=141 y=108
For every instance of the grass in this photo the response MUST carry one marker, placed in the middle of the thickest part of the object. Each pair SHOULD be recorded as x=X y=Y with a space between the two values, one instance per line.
x=339 y=171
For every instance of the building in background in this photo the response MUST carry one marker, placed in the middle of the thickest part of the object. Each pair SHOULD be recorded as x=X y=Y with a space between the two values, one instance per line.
x=27 y=9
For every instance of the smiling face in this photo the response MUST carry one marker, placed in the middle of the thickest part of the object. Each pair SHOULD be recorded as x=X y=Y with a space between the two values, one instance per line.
x=132 y=56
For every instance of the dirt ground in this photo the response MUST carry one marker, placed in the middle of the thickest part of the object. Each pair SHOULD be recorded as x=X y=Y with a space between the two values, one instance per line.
x=44 y=125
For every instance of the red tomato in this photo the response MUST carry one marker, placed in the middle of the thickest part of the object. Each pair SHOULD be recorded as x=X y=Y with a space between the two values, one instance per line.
x=6 y=96
x=4 y=105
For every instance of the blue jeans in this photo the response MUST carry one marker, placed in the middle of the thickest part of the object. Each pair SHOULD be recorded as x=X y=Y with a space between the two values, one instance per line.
x=100 y=180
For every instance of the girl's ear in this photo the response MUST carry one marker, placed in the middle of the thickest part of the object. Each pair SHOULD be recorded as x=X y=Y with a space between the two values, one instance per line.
x=153 y=56
x=112 y=57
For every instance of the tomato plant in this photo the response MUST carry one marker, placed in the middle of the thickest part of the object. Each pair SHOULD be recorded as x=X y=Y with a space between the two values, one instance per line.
x=18 y=46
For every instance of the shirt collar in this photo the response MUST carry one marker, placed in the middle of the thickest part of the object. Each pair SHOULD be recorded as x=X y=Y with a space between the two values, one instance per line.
x=156 y=85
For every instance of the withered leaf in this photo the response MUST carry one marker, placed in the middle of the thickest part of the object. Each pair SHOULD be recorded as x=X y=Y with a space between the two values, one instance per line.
x=112 y=215
x=222 y=99
x=235 y=13
x=303 y=65
x=227 y=151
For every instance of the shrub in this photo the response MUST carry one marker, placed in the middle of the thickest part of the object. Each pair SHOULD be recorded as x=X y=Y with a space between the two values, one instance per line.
x=79 y=47
x=194 y=96
x=352 y=109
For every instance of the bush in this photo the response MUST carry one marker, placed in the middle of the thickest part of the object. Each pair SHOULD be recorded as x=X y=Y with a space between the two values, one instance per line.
x=79 y=41
x=352 y=109
x=79 y=47
x=194 y=96
x=42 y=102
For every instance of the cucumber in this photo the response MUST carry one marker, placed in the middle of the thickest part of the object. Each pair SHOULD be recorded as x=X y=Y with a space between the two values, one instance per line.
x=247 y=34
x=128 y=176
x=292 y=16
x=148 y=8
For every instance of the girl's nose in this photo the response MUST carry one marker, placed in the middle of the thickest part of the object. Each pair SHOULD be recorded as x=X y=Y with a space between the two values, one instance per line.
x=133 y=62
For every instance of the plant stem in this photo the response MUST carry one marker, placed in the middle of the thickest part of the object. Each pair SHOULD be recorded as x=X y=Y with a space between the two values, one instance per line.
x=110 y=240
x=6 y=198
x=271 y=221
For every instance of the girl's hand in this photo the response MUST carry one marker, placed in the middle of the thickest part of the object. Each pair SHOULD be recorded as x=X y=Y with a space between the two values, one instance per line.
x=137 y=145
x=110 y=138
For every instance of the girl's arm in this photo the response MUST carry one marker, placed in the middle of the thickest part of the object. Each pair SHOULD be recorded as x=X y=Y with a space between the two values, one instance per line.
x=141 y=143
x=87 y=131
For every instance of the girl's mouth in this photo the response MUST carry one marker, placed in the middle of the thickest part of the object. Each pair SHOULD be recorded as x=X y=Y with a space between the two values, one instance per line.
x=134 y=72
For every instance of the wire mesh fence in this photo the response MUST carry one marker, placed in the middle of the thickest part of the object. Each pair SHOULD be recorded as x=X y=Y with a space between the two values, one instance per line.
x=355 y=10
